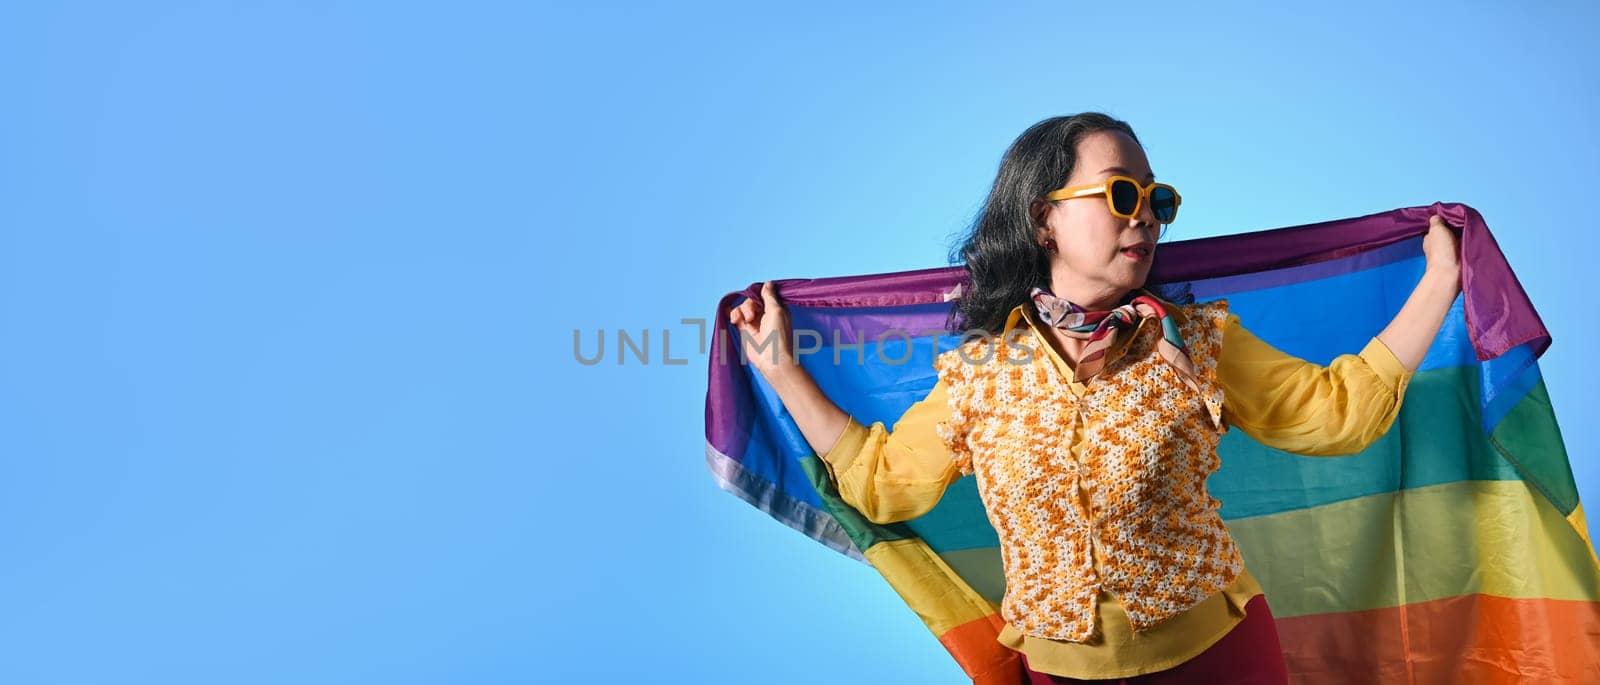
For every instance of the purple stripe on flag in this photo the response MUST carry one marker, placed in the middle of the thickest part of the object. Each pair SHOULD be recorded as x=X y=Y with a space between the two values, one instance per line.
x=1498 y=312
x=1242 y=283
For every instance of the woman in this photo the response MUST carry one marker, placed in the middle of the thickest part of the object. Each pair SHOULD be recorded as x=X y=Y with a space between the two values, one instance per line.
x=1091 y=434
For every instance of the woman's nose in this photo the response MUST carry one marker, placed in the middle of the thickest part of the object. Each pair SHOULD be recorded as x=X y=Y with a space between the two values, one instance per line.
x=1146 y=216
x=1145 y=221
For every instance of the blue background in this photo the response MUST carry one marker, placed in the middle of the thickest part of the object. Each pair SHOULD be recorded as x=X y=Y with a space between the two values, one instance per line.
x=288 y=294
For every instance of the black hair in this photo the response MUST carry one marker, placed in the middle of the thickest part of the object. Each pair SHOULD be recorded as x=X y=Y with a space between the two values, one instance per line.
x=999 y=251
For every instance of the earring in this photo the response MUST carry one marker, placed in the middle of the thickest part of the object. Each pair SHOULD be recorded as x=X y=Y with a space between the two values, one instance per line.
x=1050 y=244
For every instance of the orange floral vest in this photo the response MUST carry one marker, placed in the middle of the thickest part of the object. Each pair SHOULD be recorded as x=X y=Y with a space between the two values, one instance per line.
x=1148 y=446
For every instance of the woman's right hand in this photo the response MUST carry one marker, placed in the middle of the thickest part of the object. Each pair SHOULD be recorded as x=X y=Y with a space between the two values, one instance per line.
x=766 y=333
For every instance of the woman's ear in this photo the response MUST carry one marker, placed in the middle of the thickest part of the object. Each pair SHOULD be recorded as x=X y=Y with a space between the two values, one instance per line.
x=1037 y=211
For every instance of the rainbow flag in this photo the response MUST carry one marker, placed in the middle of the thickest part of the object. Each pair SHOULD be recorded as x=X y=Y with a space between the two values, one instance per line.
x=1454 y=549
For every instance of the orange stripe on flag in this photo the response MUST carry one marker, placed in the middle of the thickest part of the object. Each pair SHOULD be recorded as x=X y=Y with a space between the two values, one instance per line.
x=1470 y=638
x=986 y=661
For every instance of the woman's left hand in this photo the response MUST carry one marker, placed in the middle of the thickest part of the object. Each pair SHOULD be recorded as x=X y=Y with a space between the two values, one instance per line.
x=1412 y=331
x=1442 y=249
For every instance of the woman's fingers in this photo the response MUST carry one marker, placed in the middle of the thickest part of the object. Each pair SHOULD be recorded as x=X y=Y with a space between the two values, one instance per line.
x=1441 y=247
x=746 y=316
x=758 y=319
x=770 y=304
x=769 y=295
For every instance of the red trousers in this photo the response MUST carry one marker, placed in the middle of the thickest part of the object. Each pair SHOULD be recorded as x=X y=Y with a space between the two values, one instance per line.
x=1248 y=655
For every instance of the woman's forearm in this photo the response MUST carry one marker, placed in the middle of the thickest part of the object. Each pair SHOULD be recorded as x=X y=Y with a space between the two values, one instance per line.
x=819 y=419
x=1412 y=331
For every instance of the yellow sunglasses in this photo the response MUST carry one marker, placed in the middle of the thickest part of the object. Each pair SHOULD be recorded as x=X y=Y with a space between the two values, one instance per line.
x=1124 y=197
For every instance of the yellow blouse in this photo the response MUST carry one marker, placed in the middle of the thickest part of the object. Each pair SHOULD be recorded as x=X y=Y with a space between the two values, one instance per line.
x=1280 y=400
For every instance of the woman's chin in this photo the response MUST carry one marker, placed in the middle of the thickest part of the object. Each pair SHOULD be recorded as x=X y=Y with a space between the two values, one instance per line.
x=1135 y=280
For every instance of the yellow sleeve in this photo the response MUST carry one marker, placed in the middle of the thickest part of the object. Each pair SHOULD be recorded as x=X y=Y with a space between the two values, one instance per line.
x=1306 y=408
x=899 y=474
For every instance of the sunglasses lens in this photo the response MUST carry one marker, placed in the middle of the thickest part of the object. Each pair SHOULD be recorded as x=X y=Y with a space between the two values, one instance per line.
x=1164 y=203
x=1124 y=197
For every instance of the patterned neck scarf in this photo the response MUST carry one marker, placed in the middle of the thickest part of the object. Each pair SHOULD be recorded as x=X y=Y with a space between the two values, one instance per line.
x=1101 y=329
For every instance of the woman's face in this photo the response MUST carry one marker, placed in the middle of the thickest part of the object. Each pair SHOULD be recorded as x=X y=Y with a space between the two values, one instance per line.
x=1090 y=240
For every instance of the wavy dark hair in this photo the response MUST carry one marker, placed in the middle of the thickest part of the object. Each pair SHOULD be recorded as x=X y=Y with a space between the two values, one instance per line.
x=1002 y=260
